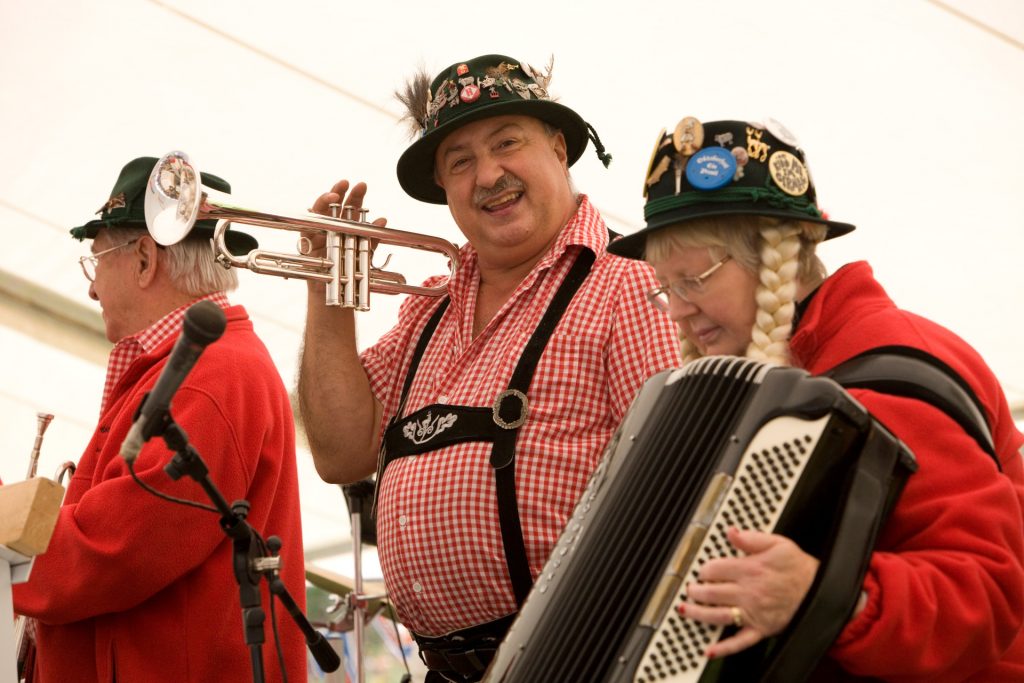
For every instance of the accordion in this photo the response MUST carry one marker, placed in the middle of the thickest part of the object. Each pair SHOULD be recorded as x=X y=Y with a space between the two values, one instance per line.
x=722 y=442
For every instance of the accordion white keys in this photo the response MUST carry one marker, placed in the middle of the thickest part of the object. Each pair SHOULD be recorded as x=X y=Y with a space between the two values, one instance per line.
x=722 y=442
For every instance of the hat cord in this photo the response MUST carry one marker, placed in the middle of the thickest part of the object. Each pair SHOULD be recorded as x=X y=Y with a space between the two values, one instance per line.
x=598 y=146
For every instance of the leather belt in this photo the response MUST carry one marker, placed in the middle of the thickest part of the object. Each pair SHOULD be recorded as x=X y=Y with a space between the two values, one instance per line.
x=464 y=655
x=468 y=665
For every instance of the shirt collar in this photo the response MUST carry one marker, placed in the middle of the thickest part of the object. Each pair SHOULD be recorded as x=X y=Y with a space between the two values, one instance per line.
x=584 y=228
x=129 y=349
x=157 y=333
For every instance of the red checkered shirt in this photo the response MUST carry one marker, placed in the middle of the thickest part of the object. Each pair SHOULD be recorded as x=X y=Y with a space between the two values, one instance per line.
x=131 y=347
x=437 y=525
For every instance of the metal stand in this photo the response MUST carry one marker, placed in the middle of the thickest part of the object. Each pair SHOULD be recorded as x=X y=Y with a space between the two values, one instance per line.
x=359 y=497
x=14 y=568
x=354 y=607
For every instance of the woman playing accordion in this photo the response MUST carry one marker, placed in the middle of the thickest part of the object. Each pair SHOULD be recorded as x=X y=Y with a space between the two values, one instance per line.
x=732 y=228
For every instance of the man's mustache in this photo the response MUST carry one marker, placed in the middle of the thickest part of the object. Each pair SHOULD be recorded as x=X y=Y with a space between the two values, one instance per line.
x=504 y=184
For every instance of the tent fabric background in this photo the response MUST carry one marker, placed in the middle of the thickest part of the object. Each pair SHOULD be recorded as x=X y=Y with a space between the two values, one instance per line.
x=909 y=113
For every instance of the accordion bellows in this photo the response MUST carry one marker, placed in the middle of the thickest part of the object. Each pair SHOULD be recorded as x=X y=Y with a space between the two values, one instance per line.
x=722 y=442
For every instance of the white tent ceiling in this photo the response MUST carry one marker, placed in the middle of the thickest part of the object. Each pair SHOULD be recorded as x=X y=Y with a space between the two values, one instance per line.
x=908 y=110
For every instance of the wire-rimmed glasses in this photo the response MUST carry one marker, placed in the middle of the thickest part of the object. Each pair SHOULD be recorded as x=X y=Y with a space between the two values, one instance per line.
x=684 y=288
x=90 y=262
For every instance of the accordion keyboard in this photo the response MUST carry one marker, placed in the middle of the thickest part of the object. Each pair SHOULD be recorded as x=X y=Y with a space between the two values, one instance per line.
x=755 y=498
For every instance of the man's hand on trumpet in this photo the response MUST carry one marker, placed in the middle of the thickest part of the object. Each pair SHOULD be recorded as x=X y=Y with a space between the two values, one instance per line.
x=325 y=203
x=329 y=359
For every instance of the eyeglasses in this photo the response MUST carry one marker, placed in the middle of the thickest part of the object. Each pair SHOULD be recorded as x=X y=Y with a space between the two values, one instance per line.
x=684 y=288
x=89 y=263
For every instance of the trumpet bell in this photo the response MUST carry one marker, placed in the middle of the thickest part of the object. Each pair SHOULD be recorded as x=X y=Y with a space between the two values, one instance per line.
x=173 y=198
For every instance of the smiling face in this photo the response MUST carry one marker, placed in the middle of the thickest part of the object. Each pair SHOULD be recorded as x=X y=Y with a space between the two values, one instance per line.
x=719 y=320
x=507 y=184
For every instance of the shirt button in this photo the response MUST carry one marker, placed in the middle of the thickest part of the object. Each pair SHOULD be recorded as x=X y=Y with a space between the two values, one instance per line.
x=403 y=520
x=418 y=587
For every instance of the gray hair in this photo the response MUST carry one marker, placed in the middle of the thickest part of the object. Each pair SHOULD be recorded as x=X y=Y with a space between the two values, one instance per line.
x=780 y=252
x=190 y=263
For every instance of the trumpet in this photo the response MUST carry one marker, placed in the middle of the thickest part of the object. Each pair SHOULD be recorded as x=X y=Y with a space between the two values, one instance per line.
x=43 y=421
x=67 y=468
x=176 y=199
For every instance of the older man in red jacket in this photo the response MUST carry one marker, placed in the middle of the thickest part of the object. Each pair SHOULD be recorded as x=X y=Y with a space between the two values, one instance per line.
x=134 y=587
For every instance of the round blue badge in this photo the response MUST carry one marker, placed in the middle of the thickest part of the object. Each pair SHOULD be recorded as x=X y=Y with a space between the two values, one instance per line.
x=711 y=168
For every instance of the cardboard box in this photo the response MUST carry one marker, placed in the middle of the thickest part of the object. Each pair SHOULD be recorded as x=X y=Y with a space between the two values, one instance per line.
x=28 y=514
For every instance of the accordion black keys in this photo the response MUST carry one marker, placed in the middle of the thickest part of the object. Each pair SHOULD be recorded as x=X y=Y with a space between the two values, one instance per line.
x=722 y=442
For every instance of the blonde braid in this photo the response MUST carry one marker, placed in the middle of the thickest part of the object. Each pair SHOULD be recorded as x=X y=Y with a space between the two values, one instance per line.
x=776 y=294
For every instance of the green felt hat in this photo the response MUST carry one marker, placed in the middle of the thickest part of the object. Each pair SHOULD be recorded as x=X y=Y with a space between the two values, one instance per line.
x=722 y=168
x=126 y=207
x=491 y=85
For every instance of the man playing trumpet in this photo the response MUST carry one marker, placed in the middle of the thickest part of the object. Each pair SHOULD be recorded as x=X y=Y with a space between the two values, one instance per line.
x=132 y=587
x=507 y=389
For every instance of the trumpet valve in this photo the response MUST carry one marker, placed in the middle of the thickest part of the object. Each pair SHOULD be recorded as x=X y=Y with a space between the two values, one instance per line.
x=364 y=270
x=333 y=255
x=348 y=276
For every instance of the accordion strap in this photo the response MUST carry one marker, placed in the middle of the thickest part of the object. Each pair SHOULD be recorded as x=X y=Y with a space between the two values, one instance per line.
x=913 y=373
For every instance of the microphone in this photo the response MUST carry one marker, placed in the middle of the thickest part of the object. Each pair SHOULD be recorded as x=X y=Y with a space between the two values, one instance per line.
x=326 y=658
x=204 y=323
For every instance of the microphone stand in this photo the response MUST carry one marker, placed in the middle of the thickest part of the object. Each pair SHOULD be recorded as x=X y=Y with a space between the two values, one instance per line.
x=249 y=561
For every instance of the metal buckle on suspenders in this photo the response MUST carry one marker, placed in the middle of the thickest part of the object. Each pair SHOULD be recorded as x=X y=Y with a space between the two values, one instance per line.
x=499 y=406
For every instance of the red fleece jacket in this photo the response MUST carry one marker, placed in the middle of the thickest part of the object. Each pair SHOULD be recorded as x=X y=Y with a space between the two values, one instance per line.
x=135 y=588
x=946 y=584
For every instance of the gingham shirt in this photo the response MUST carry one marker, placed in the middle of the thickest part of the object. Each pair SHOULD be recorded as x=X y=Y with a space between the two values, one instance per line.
x=131 y=347
x=438 y=534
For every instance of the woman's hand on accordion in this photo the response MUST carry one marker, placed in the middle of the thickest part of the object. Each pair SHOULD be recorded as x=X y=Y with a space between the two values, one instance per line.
x=759 y=591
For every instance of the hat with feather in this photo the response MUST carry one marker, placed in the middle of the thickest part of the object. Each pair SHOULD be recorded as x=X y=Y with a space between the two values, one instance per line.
x=491 y=85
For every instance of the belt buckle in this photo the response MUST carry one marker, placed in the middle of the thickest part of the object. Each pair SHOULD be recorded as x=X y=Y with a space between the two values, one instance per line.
x=463 y=665
x=523 y=410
